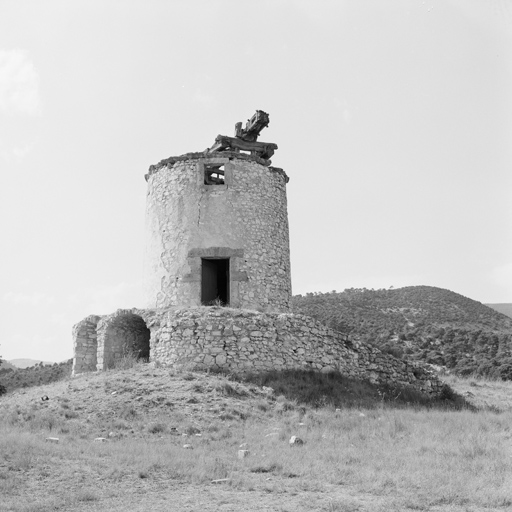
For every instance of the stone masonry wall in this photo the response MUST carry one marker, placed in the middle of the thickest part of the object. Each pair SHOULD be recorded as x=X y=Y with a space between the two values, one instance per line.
x=85 y=344
x=244 y=220
x=241 y=341
x=238 y=341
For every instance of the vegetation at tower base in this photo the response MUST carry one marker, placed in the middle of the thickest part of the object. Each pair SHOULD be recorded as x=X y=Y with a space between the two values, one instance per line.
x=422 y=323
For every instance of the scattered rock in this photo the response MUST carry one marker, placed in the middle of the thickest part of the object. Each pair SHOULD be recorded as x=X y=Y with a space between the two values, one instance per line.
x=52 y=439
x=188 y=447
x=45 y=398
x=362 y=415
x=242 y=454
x=220 y=481
x=296 y=441
x=100 y=439
x=243 y=445
x=114 y=393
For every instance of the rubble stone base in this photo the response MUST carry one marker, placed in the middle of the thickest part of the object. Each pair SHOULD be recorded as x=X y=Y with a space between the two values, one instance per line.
x=242 y=341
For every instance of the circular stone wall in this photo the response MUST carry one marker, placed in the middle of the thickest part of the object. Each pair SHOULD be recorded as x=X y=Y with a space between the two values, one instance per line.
x=242 y=341
x=242 y=220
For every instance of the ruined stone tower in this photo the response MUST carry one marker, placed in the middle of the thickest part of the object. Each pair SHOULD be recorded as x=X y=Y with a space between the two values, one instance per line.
x=217 y=227
x=217 y=234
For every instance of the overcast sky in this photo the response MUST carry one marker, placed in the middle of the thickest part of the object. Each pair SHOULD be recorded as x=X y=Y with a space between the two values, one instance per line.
x=393 y=120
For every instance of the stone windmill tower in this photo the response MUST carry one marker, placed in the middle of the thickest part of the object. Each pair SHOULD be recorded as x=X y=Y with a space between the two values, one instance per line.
x=217 y=226
x=217 y=232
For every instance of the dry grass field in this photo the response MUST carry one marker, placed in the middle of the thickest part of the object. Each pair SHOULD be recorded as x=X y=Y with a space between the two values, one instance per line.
x=172 y=442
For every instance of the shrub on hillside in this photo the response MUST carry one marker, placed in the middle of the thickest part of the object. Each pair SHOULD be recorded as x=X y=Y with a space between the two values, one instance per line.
x=35 y=375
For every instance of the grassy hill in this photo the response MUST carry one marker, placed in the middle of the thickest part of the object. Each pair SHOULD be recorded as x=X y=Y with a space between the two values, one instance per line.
x=420 y=322
x=207 y=442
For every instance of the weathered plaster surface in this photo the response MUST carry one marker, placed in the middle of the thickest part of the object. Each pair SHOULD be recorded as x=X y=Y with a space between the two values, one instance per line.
x=244 y=220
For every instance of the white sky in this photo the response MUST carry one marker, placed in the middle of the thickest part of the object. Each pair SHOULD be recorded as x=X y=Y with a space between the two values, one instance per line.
x=393 y=120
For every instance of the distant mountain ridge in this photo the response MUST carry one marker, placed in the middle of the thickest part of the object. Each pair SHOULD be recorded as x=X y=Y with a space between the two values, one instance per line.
x=27 y=363
x=426 y=323
x=503 y=308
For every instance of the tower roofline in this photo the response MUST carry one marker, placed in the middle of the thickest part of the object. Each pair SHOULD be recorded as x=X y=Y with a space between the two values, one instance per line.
x=231 y=155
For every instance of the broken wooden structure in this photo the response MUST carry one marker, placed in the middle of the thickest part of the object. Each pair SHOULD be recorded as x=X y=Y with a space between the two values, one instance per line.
x=245 y=139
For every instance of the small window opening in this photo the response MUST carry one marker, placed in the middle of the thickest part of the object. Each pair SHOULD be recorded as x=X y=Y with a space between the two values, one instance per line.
x=215 y=281
x=214 y=174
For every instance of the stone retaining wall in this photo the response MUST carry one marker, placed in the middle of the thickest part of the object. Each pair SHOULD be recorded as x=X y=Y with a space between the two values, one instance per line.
x=242 y=341
x=239 y=341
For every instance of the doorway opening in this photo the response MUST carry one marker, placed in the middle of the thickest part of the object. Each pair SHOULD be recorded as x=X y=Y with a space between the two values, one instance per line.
x=214 y=281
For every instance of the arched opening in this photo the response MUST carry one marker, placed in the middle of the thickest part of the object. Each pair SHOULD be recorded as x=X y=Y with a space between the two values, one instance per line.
x=124 y=335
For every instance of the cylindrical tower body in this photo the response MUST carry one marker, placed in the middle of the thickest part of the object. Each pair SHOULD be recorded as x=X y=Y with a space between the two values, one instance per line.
x=217 y=232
